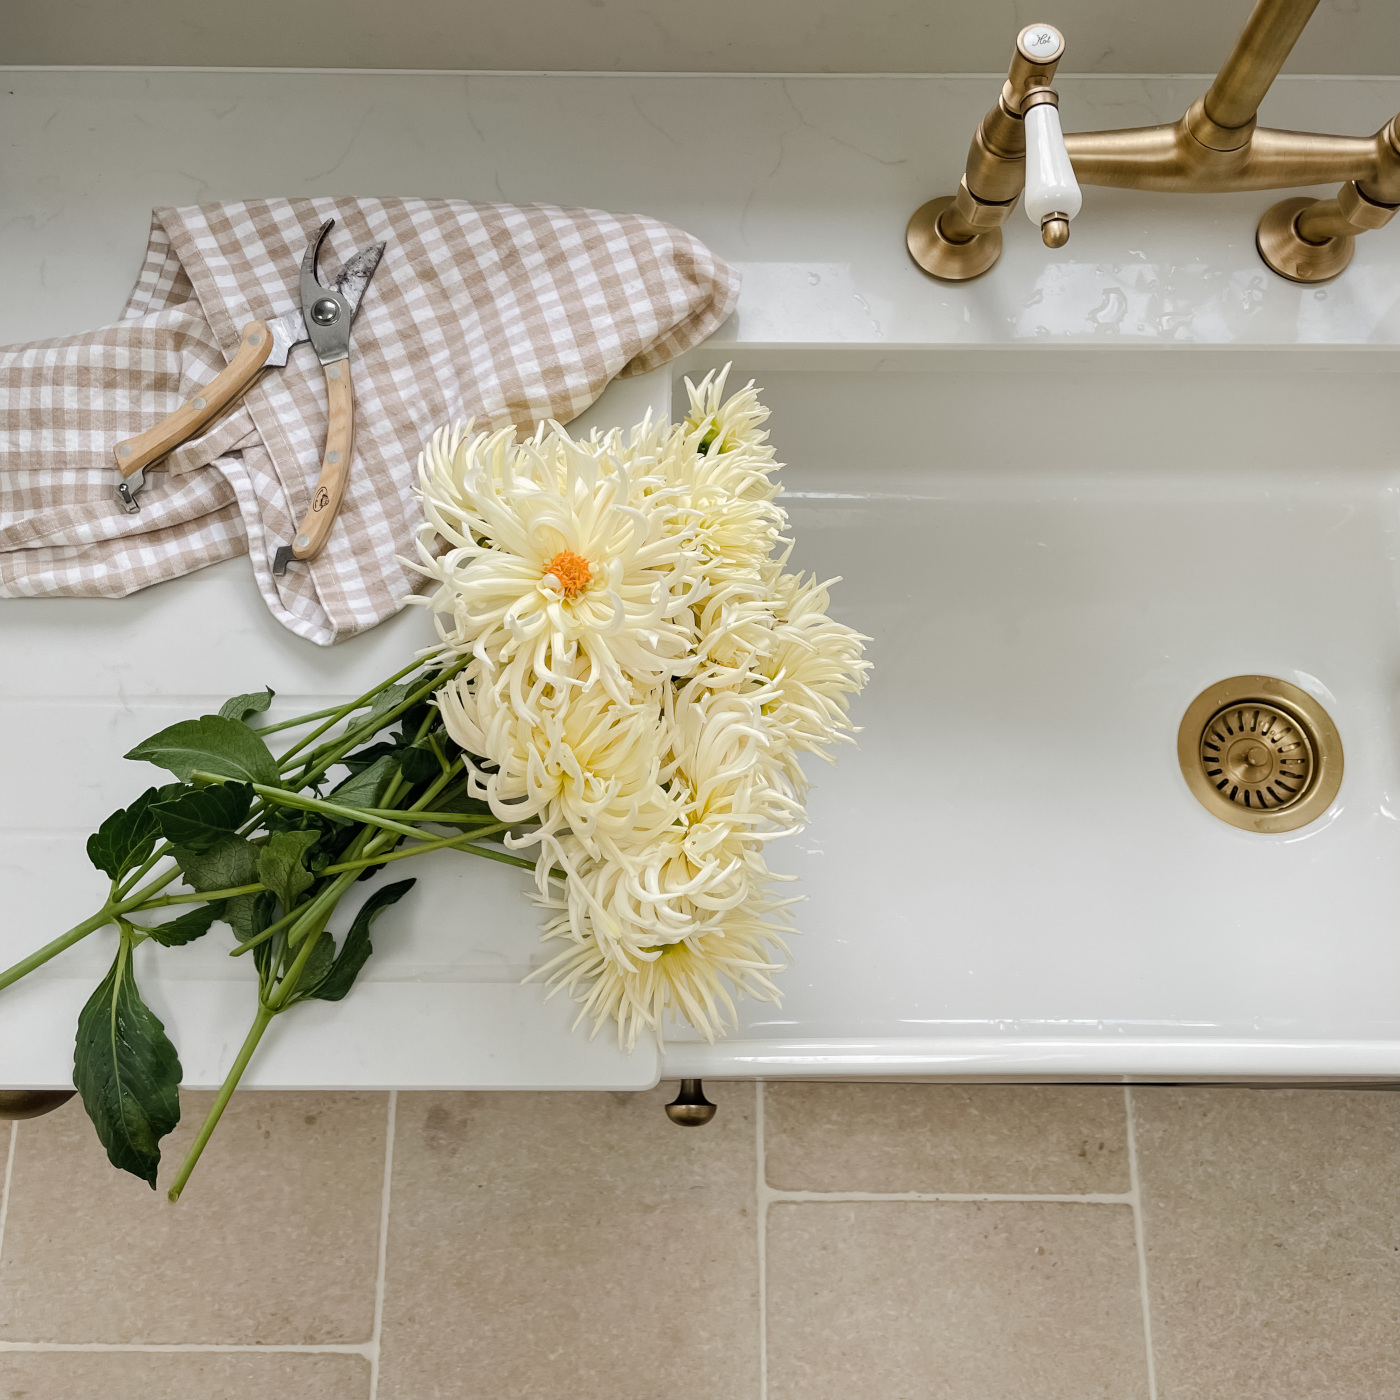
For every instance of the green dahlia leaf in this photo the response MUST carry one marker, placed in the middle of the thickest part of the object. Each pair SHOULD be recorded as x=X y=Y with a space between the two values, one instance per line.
x=319 y=963
x=365 y=788
x=361 y=759
x=456 y=799
x=387 y=699
x=210 y=744
x=357 y=947
x=195 y=924
x=280 y=864
x=248 y=914
x=127 y=1071
x=253 y=703
x=419 y=764
x=224 y=866
x=128 y=836
x=200 y=818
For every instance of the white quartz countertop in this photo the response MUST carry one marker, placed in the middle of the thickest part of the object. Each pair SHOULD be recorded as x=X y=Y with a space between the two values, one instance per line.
x=805 y=183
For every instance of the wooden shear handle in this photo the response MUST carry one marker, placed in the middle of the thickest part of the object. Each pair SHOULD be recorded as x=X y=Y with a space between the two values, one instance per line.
x=206 y=404
x=335 y=465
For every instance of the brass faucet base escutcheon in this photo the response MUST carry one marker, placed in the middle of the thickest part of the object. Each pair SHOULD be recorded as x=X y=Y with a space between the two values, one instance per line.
x=953 y=262
x=1260 y=754
x=1291 y=255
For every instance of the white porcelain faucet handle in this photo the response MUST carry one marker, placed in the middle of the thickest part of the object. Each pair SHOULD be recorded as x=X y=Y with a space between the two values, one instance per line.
x=1052 y=192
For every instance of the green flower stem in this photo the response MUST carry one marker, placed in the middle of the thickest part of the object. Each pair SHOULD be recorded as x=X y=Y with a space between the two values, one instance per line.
x=362 y=842
x=308 y=920
x=109 y=913
x=271 y=929
x=305 y=719
x=65 y=940
x=305 y=917
x=289 y=918
x=435 y=788
x=313 y=915
x=441 y=818
x=201 y=896
x=332 y=809
x=326 y=758
x=437 y=843
x=260 y=1023
x=307 y=929
x=340 y=713
x=490 y=853
x=136 y=877
x=310 y=931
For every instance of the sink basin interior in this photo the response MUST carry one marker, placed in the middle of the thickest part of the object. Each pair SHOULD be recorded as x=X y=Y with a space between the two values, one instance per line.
x=1054 y=553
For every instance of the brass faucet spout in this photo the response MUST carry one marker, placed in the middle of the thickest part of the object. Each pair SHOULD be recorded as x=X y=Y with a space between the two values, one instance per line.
x=1272 y=29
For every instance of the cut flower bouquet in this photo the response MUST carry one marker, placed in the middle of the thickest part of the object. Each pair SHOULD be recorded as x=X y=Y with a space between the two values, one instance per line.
x=626 y=680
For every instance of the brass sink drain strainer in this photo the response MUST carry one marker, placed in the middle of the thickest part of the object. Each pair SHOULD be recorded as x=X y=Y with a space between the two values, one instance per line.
x=1260 y=754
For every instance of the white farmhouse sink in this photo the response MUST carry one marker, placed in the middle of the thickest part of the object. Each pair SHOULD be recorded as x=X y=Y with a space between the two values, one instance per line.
x=1054 y=551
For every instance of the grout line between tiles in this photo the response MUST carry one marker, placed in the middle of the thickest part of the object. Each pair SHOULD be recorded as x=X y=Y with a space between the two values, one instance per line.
x=309 y=1349
x=382 y=1264
x=5 y=1191
x=1094 y=1198
x=762 y=1195
x=1141 y=1239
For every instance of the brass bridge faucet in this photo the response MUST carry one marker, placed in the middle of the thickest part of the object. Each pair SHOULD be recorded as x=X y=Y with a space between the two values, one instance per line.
x=1216 y=147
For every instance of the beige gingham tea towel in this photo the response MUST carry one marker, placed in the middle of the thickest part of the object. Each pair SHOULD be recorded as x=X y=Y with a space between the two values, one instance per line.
x=509 y=313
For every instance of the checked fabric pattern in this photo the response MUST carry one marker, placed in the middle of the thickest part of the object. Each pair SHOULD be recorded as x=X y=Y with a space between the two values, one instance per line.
x=506 y=313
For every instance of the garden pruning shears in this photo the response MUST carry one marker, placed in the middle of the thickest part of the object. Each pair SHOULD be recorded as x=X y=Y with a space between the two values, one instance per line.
x=324 y=318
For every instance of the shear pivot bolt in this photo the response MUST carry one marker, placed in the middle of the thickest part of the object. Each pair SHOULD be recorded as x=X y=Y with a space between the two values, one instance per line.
x=325 y=312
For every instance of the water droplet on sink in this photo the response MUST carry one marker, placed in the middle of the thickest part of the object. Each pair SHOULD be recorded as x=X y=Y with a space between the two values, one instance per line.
x=1319 y=296
x=814 y=277
x=1109 y=313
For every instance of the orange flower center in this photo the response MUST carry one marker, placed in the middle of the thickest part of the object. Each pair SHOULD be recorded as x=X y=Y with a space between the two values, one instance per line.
x=572 y=572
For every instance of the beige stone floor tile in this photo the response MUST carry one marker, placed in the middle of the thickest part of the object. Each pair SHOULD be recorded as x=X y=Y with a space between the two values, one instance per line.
x=571 y=1246
x=1272 y=1226
x=953 y=1301
x=110 y=1375
x=276 y=1238
x=959 y=1138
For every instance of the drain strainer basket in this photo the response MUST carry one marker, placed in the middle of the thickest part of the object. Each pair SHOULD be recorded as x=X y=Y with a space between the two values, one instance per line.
x=1260 y=754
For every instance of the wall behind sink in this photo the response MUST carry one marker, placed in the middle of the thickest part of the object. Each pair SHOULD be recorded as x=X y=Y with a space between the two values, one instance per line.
x=726 y=36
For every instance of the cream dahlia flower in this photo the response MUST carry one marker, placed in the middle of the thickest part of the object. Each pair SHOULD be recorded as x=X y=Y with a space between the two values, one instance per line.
x=645 y=676
x=585 y=763
x=559 y=568
x=692 y=979
x=727 y=425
